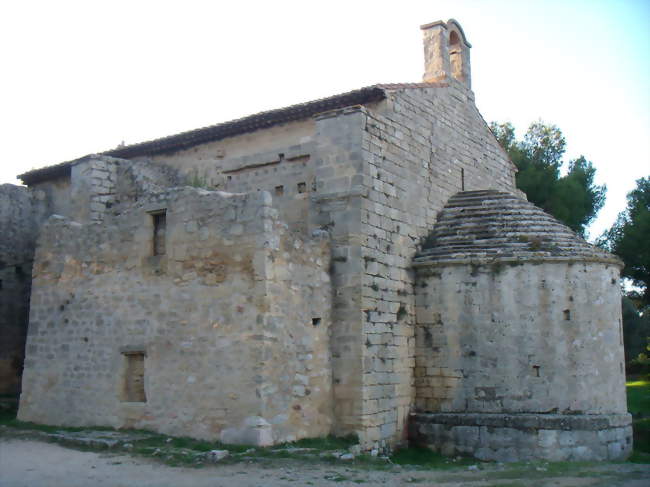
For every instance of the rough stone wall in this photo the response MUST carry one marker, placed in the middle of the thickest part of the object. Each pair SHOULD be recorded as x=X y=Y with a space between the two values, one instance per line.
x=297 y=391
x=52 y=197
x=206 y=314
x=336 y=207
x=529 y=338
x=18 y=232
x=102 y=185
x=420 y=146
x=277 y=159
x=135 y=180
x=92 y=187
x=520 y=437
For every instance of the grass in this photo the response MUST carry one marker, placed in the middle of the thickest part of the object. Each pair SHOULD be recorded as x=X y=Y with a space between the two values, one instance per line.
x=638 y=397
x=638 y=403
x=189 y=451
x=326 y=443
x=186 y=451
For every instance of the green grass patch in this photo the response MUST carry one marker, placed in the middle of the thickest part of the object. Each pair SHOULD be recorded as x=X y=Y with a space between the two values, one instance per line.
x=639 y=457
x=326 y=443
x=641 y=432
x=638 y=397
x=11 y=421
x=638 y=403
x=539 y=470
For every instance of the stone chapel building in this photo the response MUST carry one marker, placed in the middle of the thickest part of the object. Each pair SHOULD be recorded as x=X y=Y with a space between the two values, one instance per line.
x=359 y=264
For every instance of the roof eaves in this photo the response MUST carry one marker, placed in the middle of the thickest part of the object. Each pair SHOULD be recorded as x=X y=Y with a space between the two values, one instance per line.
x=191 y=138
x=184 y=140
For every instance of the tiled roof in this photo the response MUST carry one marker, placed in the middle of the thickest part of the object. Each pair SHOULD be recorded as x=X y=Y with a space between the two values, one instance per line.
x=490 y=224
x=251 y=123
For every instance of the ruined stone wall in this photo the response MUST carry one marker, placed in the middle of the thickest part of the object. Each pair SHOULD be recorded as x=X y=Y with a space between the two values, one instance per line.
x=92 y=186
x=18 y=235
x=318 y=165
x=52 y=197
x=420 y=147
x=278 y=159
x=297 y=393
x=204 y=314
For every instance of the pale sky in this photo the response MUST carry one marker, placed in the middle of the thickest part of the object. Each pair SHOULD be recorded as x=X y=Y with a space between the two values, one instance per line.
x=82 y=76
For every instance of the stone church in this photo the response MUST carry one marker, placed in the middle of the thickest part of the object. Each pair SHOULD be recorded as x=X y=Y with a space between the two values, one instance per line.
x=359 y=264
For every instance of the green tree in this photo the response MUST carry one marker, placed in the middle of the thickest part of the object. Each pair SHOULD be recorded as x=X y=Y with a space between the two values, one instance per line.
x=629 y=238
x=636 y=329
x=573 y=198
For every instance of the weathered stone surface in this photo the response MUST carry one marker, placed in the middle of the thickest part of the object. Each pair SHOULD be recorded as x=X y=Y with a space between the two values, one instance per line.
x=510 y=438
x=280 y=300
x=517 y=315
x=17 y=239
x=225 y=322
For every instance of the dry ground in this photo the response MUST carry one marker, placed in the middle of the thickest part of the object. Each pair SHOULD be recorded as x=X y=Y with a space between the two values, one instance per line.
x=29 y=463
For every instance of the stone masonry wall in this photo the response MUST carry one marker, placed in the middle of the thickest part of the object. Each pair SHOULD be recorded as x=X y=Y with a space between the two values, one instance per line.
x=51 y=197
x=18 y=233
x=203 y=314
x=336 y=208
x=374 y=179
x=92 y=187
x=521 y=437
x=420 y=146
x=520 y=338
x=297 y=392
x=277 y=159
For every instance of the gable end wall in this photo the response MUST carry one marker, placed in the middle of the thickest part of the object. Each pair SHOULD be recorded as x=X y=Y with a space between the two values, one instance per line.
x=414 y=147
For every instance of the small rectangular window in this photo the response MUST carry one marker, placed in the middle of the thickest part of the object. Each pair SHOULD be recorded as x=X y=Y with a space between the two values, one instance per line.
x=279 y=190
x=134 y=377
x=159 y=232
x=302 y=187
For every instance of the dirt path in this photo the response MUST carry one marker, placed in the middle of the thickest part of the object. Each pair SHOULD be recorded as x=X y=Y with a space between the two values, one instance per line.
x=27 y=463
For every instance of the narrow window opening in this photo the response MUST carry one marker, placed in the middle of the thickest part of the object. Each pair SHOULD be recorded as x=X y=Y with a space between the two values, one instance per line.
x=315 y=321
x=567 y=315
x=454 y=40
x=159 y=232
x=456 y=56
x=0 y=283
x=462 y=179
x=536 y=370
x=19 y=271
x=302 y=187
x=134 y=377
x=279 y=190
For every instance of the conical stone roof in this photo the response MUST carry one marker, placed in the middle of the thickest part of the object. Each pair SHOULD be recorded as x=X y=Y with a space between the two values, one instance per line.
x=493 y=225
